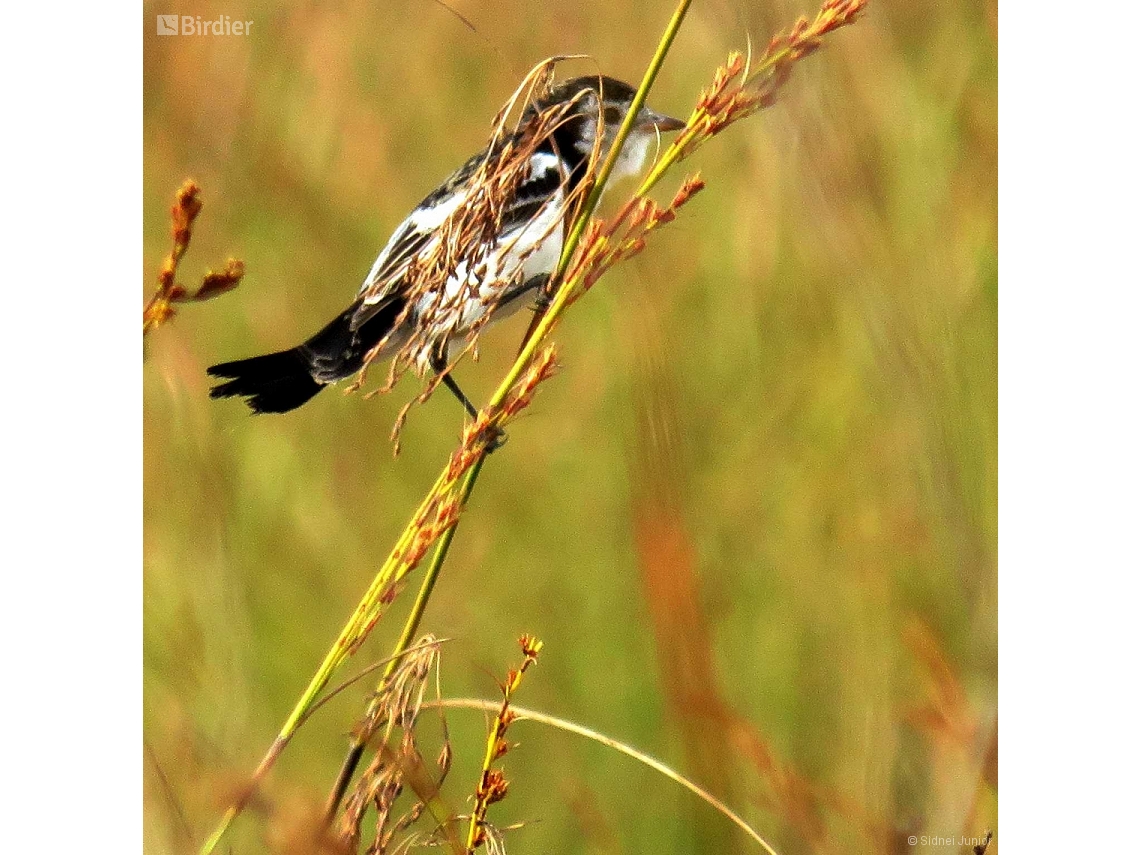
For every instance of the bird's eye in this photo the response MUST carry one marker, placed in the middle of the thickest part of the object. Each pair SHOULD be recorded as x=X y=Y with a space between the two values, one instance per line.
x=612 y=116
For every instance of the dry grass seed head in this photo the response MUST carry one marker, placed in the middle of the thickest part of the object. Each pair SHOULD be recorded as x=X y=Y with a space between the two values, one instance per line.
x=396 y=707
x=493 y=785
x=737 y=90
x=158 y=310
x=605 y=244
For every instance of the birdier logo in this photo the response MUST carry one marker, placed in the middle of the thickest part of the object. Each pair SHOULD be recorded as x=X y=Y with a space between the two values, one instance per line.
x=193 y=25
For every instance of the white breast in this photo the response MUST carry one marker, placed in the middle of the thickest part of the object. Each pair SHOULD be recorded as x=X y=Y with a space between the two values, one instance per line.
x=634 y=154
x=518 y=256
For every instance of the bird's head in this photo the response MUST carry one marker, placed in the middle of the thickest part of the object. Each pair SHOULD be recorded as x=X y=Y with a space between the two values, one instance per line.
x=599 y=103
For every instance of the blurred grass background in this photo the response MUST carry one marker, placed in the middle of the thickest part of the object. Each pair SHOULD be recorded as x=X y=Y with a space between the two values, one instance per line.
x=754 y=518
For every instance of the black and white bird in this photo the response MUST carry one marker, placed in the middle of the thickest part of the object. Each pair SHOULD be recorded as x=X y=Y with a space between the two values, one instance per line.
x=524 y=253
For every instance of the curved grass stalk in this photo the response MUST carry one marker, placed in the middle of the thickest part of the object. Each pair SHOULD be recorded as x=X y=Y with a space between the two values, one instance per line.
x=525 y=714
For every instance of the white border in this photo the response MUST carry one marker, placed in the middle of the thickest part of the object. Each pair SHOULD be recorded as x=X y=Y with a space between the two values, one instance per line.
x=1068 y=425
x=71 y=637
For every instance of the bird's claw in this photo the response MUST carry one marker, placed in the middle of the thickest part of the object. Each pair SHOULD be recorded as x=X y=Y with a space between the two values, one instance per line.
x=496 y=439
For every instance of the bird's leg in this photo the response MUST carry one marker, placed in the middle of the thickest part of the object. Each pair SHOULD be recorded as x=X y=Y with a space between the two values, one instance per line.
x=450 y=383
x=539 y=283
x=440 y=367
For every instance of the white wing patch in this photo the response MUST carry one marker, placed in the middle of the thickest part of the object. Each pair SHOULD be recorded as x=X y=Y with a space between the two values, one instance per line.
x=541 y=161
x=407 y=242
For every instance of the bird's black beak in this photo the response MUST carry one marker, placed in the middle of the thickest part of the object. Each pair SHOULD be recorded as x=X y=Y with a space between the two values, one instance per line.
x=661 y=122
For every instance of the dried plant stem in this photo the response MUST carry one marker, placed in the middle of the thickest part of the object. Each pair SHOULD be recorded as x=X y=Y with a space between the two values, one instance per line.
x=411 y=628
x=525 y=714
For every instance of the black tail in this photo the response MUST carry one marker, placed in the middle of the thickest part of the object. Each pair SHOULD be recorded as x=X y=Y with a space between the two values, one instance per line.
x=274 y=383
x=280 y=382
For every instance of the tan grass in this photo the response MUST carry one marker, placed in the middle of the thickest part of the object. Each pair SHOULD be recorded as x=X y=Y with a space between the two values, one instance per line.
x=160 y=308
